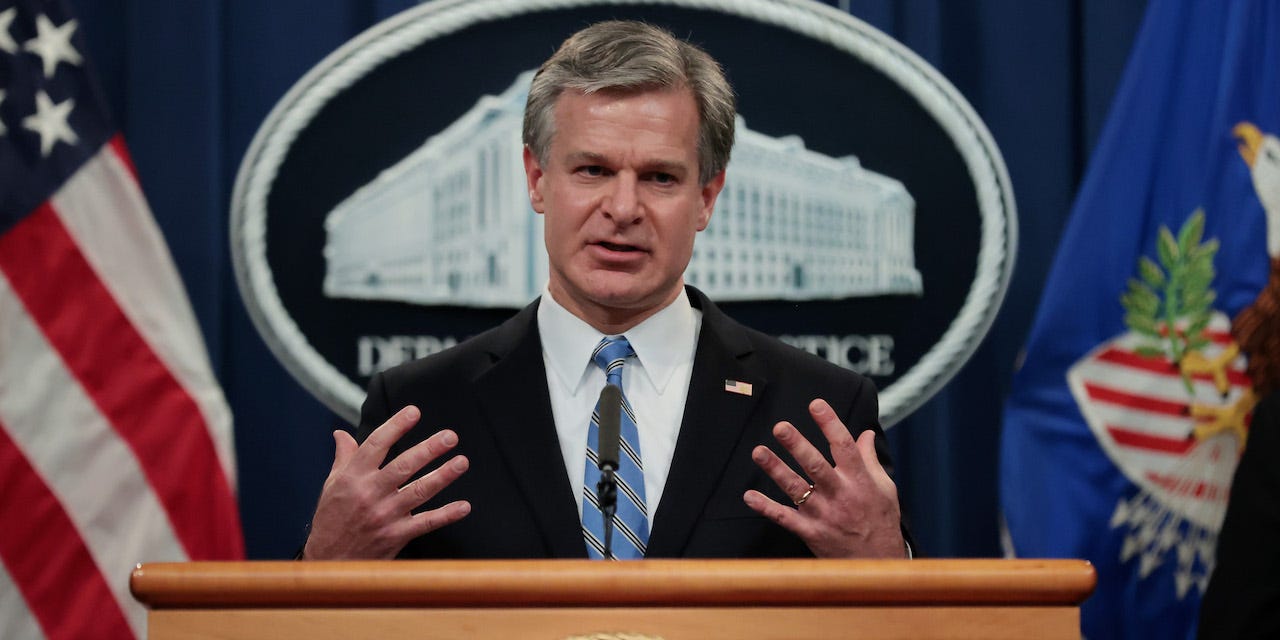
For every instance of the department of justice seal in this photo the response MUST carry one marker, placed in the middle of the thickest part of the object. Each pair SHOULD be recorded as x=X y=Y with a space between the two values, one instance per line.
x=380 y=213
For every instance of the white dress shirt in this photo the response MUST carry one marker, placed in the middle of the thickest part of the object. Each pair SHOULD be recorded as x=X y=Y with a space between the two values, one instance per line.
x=655 y=381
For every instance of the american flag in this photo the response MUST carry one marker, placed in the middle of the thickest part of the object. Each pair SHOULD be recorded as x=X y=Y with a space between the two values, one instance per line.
x=115 y=440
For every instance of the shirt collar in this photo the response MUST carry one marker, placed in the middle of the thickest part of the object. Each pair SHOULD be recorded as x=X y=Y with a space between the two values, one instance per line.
x=661 y=342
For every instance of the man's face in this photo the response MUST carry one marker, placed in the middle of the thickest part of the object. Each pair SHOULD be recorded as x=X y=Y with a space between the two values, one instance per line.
x=623 y=201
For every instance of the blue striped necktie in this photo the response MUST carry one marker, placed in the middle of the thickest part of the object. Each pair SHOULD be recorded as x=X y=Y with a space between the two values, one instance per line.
x=631 y=522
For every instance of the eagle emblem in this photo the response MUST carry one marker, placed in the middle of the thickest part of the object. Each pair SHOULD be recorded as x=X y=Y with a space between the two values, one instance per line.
x=1170 y=399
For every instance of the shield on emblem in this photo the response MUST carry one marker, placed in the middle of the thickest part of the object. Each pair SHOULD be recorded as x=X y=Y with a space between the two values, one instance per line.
x=1145 y=417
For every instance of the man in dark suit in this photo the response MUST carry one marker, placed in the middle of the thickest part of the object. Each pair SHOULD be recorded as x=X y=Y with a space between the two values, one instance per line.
x=627 y=133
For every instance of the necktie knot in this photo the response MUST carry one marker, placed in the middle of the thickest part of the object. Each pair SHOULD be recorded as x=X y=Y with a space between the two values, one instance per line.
x=610 y=354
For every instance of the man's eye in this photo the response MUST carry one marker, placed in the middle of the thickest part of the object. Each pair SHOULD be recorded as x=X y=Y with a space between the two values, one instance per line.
x=663 y=178
x=593 y=170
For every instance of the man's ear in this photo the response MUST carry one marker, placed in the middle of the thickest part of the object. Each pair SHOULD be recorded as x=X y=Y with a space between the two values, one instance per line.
x=533 y=179
x=710 y=191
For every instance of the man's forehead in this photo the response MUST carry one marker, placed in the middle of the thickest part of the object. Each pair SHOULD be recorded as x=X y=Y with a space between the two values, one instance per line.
x=603 y=127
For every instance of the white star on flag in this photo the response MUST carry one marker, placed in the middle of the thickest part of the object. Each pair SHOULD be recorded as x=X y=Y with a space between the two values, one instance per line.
x=2 y=129
x=50 y=121
x=7 y=43
x=53 y=44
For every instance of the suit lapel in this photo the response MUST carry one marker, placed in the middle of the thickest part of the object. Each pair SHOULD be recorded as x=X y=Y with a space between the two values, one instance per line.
x=516 y=404
x=711 y=428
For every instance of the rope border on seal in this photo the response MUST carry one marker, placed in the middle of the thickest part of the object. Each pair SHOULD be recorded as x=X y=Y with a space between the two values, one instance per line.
x=409 y=29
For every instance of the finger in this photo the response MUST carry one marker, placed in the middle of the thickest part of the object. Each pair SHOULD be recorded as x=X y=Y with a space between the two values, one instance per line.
x=844 y=450
x=811 y=461
x=788 y=480
x=413 y=459
x=866 y=448
x=375 y=447
x=786 y=517
x=344 y=447
x=414 y=494
x=428 y=521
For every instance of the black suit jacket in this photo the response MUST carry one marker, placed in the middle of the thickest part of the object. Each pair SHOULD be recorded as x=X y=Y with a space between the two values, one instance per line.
x=1243 y=598
x=492 y=390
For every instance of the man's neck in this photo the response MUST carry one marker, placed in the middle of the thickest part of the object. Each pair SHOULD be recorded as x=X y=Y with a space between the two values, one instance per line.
x=611 y=321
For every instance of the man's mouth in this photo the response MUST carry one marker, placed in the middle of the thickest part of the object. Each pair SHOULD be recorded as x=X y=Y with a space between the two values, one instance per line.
x=618 y=247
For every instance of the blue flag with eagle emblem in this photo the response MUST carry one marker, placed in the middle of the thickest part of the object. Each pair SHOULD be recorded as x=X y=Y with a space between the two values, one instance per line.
x=1129 y=412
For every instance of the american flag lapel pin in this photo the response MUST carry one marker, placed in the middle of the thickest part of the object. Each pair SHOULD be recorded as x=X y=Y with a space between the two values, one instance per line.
x=738 y=387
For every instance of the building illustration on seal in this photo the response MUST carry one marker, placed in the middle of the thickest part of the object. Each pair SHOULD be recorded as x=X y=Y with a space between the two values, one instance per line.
x=451 y=223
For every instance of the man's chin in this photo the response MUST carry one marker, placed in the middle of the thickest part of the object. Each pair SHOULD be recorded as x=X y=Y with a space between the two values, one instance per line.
x=622 y=296
x=623 y=300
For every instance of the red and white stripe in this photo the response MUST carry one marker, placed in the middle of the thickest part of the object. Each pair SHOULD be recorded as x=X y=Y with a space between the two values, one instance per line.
x=1140 y=411
x=115 y=440
x=18 y=620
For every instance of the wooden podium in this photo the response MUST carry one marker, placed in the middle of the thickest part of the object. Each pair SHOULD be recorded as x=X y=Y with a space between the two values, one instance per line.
x=579 y=599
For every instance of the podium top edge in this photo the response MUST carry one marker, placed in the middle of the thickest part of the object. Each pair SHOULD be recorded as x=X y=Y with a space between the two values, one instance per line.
x=508 y=583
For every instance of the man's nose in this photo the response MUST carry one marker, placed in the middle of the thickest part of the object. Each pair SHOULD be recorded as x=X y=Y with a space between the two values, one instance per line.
x=622 y=204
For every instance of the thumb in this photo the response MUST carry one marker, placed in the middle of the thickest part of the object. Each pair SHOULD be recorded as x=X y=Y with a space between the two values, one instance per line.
x=344 y=448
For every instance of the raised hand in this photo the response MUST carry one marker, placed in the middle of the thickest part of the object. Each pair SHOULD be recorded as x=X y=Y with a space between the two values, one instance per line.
x=849 y=510
x=365 y=509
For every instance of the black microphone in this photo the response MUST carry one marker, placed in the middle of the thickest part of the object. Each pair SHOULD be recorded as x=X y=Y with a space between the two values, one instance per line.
x=610 y=439
x=610 y=405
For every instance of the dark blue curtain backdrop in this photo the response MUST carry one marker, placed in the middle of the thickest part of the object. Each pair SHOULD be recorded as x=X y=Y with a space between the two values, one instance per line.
x=189 y=82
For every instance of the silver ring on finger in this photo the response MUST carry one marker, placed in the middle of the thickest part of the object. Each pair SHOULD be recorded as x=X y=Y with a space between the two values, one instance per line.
x=804 y=498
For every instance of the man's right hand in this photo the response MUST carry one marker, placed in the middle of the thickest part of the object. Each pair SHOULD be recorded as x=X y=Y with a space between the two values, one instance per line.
x=365 y=512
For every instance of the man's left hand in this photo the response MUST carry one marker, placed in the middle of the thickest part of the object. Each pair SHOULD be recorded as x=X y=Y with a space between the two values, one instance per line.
x=850 y=510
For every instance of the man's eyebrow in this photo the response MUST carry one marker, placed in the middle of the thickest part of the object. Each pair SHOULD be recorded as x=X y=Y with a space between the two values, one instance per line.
x=673 y=167
x=588 y=157
x=664 y=166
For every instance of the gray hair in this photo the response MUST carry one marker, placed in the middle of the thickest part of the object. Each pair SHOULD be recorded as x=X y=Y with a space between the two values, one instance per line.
x=631 y=56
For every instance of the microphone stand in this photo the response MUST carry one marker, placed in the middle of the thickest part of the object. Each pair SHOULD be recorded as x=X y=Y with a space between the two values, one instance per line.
x=610 y=416
x=607 y=494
